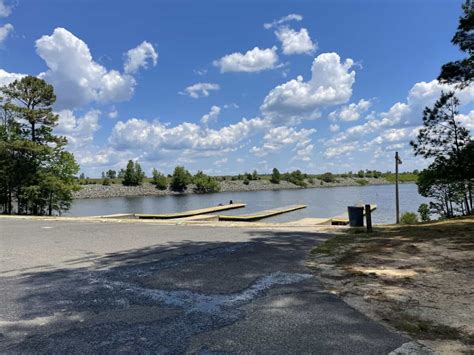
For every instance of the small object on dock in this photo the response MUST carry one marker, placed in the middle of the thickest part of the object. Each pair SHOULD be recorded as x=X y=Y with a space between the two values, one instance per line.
x=343 y=219
x=262 y=214
x=368 y=218
x=190 y=213
x=356 y=216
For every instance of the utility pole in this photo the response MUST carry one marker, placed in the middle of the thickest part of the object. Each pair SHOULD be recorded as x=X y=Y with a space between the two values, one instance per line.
x=397 y=198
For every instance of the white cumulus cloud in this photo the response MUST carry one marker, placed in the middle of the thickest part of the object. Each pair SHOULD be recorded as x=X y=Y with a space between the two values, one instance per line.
x=149 y=138
x=279 y=137
x=200 y=90
x=305 y=153
x=394 y=128
x=5 y=31
x=254 y=60
x=467 y=120
x=295 y=42
x=212 y=115
x=77 y=78
x=351 y=112
x=5 y=10
x=140 y=57
x=287 y=18
x=79 y=131
x=7 y=78
x=330 y=84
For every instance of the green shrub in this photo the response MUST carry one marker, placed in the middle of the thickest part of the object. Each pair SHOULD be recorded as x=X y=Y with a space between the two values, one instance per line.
x=180 y=179
x=295 y=177
x=275 y=178
x=424 y=211
x=246 y=181
x=255 y=175
x=159 y=180
x=409 y=218
x=133 y=175
x=362 y=182
x=328 y=177
x=205 y=183
x=106 y=181
x=377 y=174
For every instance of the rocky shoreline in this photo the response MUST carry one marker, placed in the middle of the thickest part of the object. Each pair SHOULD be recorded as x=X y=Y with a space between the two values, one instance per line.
x=147 y=189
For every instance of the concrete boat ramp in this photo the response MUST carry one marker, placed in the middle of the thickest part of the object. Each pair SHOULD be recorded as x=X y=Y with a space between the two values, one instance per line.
x=208 y=216
x=205 y=214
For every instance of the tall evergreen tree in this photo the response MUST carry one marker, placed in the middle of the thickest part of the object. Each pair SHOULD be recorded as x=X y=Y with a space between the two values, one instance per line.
x=180 y=179
x=442 y=134
x=276 y=176
x=445 y=139
x=461 y=72
x=35 y=169
x=133 y=174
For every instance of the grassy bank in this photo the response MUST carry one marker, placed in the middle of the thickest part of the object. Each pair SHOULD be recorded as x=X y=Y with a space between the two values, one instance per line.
x=417 y=279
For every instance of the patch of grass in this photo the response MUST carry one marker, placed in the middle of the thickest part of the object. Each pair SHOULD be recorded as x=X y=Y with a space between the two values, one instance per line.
x=329 y=246
x=362 y=182
x=357 y=243
x=409 y=218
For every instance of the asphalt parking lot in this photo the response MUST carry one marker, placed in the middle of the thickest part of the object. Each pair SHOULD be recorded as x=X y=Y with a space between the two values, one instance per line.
x=83 y=287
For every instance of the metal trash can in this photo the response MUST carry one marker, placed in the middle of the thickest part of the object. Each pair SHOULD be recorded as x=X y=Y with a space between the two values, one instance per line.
x=356 y=216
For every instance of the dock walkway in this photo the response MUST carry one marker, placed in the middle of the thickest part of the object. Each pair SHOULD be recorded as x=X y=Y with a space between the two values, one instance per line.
x=262 y=214
x=190 y=213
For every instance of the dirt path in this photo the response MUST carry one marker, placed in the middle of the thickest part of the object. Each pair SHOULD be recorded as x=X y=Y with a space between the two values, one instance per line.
x=417 y=279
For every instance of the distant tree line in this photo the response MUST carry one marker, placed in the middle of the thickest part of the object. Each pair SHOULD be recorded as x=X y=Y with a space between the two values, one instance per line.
x=133 y=175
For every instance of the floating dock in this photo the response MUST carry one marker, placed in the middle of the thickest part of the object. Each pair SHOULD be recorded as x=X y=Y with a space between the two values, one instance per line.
x=343 y=219
x=262 y=214
x=190 y=213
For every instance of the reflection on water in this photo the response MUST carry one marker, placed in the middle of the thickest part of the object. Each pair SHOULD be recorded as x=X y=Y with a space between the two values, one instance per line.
x=322 y=202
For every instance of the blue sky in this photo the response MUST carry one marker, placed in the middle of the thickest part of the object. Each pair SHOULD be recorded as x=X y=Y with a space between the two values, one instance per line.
x=324 y=86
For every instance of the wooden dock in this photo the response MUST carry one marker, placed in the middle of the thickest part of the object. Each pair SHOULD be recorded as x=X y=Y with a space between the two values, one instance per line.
x=343 y=219
x=190 y=213
x=262 y=214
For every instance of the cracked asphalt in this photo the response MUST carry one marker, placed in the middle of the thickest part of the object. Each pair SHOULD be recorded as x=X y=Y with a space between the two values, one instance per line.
x=87 y=287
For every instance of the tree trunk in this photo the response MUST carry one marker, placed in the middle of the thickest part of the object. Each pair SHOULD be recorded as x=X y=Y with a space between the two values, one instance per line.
x=9 y=200
x=446 y=202
x=33 y=136
x=50 y=207
x=466 y=202
x=470 y=194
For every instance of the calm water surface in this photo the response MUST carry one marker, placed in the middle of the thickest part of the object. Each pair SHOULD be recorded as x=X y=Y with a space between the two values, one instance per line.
x=322 y=202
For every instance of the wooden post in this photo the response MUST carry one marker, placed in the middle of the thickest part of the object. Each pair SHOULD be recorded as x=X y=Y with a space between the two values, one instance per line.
x=368 y=218
x=397 y=201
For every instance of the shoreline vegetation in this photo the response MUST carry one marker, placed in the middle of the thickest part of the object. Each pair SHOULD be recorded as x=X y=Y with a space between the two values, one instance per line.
x=93 y=188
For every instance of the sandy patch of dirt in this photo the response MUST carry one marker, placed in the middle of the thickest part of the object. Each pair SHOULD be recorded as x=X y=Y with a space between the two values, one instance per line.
x=417 y=279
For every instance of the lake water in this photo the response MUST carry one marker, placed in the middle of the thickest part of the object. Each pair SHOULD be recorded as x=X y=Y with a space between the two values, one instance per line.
x=322 y=202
